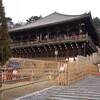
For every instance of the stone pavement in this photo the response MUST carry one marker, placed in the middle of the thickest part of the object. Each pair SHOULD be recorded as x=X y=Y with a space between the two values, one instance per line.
x=19 y=84
x=87 y=89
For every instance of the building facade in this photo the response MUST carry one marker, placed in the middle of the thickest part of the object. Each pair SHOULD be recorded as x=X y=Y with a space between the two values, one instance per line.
x=68 y=35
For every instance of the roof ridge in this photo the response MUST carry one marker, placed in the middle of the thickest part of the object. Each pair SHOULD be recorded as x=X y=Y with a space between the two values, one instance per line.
x=52 y=14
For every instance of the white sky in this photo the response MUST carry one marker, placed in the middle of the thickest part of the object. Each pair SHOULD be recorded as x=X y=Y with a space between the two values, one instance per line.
x=20 y=10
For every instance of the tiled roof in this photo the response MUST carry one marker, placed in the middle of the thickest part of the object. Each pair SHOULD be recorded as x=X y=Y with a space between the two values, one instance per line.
x=49 y=20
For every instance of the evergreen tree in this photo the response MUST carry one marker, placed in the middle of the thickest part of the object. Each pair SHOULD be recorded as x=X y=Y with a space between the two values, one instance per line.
x=96 y=21
x=4 y=37
x=33 y=19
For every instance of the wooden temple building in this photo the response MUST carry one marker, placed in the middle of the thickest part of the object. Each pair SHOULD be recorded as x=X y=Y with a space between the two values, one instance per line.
x=68 y=35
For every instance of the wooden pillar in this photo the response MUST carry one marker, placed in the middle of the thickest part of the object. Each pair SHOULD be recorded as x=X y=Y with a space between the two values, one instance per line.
x=29 y=52
x=33 y=52
x=20 y=52
x=73 y=51
x=40 y=37
x=46 y=52
x=49 y=52
x=84 y=49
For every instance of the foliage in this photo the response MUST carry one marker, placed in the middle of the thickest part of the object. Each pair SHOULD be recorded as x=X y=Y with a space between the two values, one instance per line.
x=19 y=24
x=96 y=21
x=10 y=24
x=33 y=18
x=9 y=20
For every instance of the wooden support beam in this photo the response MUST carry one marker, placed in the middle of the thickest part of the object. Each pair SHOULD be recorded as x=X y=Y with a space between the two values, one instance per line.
x=24 y=50
x=65 y=45
x=33 y=51
x=45 y=48
x=84 y=49
x=77 y=46
x=39 y=49
x=72 y=46
x=29 y=50
x=90 y=51
x=60 y=47
x=15 y=53
x=51 y=50
x=73 y=52
x=55 y=47
x=49 y=47
x=22 y=53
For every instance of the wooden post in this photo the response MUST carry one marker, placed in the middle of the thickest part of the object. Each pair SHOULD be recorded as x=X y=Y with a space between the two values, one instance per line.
x=56 y=54
x=84 y=49
x=67 y=72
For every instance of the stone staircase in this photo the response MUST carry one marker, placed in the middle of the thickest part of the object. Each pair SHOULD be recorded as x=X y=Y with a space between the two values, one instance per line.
x=87 y=89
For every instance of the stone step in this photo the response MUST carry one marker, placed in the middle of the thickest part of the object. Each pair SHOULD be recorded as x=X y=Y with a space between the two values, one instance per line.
x=83 y=90
x=62 y=97
x=91 y=89
x=80 y=94
x=59 y=98
x=87 y=89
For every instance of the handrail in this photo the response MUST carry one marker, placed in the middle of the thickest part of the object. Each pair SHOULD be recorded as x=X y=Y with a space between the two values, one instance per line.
x=68 y=38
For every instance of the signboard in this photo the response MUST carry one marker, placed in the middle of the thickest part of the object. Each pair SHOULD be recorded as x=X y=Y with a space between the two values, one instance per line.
x=14 y=64
x=15 y=72
x=63 y=67
x=56 y=52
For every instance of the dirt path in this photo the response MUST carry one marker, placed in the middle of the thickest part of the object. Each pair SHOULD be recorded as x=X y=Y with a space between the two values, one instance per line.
x=21 y=91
